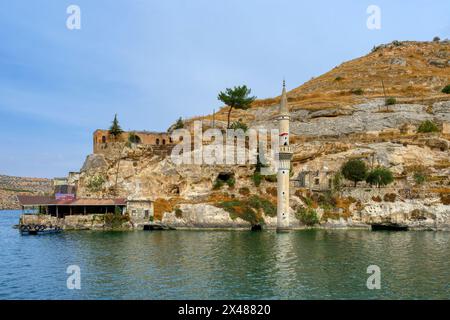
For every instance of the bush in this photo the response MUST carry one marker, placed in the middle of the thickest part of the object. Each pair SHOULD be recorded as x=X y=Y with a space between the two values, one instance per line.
x=390 y=101
x=257 y=178
x=446 y=89
x=354 y=170
x=115 y=221
x=218 y=184
x=337 y=182
x=133 y=138
x=271 y=178
x=419 y=177
x=239 y=125
x=380 y=177
x=231 y=182
x=358 y=91
x=178 y=213
x=389 y=197
x=307 y=216
x=338 y=78
x=95 y=183
x=249 y=209
x=244 y=191
x=436 y=39
x=427 y=126
x=179 y=124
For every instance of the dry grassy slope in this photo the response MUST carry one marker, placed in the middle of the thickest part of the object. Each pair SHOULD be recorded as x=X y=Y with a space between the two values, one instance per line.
x=408 y=70
x=10 y=187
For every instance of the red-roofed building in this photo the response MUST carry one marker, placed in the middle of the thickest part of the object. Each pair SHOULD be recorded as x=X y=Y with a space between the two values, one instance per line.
x=60 y=207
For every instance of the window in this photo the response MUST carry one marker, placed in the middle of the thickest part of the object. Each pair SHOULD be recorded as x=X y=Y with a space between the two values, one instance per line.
x=146 y=214
x=170 y=140
x=316 y=181
x=133 y=212
x=164 y=141
x=103 y=139
x=157 y=141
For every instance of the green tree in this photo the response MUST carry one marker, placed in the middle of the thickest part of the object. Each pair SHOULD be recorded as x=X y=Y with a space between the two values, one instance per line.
x=237 y=98
x=446 y=89
x=115 y=130
x=133 y=138
x=179 y=124
x=380 y=176
x=427 y=126
x=354 y=170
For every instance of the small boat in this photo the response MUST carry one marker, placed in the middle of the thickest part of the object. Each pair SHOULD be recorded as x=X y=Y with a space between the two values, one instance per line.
x=38 y=229
x=389 y=226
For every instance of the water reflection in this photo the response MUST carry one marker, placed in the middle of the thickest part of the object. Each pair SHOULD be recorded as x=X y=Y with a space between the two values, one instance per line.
x=314 y=264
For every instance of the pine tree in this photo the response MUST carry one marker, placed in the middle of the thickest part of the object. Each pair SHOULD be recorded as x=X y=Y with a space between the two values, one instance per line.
x=237 y=98
x=115 y=130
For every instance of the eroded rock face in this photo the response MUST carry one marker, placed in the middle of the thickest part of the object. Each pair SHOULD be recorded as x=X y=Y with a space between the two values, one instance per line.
x=203 y=216
x=94 y=162
x=417 y=214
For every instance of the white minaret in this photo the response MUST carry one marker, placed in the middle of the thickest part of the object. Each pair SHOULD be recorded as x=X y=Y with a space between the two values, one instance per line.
x=284 y=165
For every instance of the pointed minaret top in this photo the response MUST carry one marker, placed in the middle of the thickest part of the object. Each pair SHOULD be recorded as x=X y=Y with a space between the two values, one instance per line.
x=284 y=110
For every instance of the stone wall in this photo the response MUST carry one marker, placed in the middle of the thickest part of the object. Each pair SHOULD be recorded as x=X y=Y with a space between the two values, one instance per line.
x=76 y=222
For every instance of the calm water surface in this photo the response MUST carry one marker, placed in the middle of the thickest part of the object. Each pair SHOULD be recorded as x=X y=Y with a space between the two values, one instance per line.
x=223 y=265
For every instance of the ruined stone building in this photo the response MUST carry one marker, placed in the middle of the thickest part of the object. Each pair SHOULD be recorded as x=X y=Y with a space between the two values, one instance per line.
x=102 y=138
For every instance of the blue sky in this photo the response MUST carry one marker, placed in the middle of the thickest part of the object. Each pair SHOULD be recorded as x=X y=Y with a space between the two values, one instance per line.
x=154 y=61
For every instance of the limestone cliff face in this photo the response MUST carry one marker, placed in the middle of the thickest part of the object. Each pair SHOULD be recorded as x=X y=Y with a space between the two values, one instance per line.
x=331 y=122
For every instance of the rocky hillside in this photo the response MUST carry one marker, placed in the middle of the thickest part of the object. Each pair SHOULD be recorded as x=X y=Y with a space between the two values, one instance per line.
x=338 y=116
x=10 y=187
x=412 y=72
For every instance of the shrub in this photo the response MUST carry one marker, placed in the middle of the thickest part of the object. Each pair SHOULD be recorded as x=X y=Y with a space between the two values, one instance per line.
x=231 y=182
x=272 y=191
x=427 y=126
x=239 y=125
x=419 y=177
x=446 y=89
x=178 y=213
x=358 y=91
x=179 y=124
x=257 y=178
x=376 y=198
x=390 y=101
x=271 y=178
x=390 y=197
x=115 y=221
x=249 y=209
x=380 y=177
x=338 y=78
x=354 y=170
x=244 y=191
x=436 y=39
x=307 y=216
x=445 y=199
x=218 y=184
x=337 y=182
x=133 y=138
x=95 y=183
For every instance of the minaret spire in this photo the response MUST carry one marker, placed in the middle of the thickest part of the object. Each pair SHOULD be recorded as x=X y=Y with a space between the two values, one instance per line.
x=284 y=164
